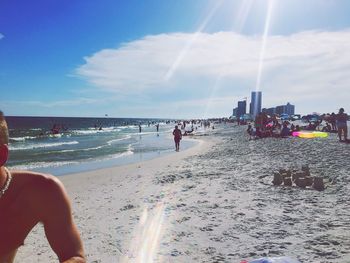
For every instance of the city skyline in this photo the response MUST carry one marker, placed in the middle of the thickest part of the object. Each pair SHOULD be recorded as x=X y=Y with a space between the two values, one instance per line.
x=133 y=59
x=255 y=107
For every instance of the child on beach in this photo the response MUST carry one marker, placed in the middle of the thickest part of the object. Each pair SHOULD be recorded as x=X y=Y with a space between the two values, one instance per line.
x=251 y=132
x=27 y=198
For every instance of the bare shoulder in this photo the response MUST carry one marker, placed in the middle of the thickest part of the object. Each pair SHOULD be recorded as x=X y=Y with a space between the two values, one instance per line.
x=37 y=181
x=43 y=191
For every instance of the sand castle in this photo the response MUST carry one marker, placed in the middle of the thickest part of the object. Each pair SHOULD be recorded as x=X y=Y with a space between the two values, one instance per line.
x=301 y=178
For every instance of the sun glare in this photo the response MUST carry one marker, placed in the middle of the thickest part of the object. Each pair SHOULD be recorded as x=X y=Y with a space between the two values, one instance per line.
x=189 y=44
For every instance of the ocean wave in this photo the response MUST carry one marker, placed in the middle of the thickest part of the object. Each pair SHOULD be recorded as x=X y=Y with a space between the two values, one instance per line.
x=118 y=140
x=118 y=155
x=21 y=139
x=58 y=135
x=94 y=131
x=37 y=165
x=83 y=150
x=40 y=145
x=132 y=127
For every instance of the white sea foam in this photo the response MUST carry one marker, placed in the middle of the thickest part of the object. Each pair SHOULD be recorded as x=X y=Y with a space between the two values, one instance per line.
x=86 y=149
x=95 y=131
x=40 y=145
x=133 y=127
x=21 y=139
x=36 y=165
x=119 y=155
x=118 y=140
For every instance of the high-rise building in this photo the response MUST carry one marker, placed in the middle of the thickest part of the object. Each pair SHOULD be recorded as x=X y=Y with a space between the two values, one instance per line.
x=255 y=103
x=269 y=111
x=290 y=109
x=241 y=108
x=234 y=112
x=285 y=109
x=280 y=109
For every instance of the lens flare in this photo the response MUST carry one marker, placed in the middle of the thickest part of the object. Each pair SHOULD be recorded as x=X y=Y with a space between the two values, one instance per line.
x=262 y=50
x=189 y=44
x=144 y=246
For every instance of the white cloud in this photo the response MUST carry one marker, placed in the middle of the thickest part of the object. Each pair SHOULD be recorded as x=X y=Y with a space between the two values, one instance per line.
x=310 y=69
x=1 y=36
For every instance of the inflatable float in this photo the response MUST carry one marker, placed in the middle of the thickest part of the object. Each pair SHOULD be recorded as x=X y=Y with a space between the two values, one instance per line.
x=309 y=135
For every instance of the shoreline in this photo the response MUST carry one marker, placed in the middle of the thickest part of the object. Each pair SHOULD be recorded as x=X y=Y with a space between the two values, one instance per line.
x=214 y=202
x=154 y=163
x=94 y=194
x=110 y=161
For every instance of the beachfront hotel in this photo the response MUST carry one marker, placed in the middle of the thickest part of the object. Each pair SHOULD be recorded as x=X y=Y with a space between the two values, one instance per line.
x=241 y=108
x=281 y=109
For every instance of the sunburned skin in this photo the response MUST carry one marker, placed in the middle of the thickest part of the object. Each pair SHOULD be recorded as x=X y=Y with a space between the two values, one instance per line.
x=9 y=258
x=16 y=219
x=32 y=198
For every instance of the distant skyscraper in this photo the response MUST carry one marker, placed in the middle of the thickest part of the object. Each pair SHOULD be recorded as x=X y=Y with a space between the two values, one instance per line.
x=255 y=103
x=234 y=112
x=241 y=108
x=290 y=109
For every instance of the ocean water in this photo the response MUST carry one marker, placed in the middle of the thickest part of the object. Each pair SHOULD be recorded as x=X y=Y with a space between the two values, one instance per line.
x=68 y=145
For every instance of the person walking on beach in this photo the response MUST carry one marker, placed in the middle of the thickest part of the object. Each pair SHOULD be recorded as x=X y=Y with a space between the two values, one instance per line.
x=342 y=126
x=177 y=137
x=139 y=128
x=27 y=198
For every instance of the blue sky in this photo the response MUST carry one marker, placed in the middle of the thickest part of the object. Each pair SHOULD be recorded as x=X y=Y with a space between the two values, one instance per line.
x=171 y=59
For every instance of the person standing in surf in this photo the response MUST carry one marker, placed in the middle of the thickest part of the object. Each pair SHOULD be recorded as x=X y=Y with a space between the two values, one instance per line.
x=177 y=137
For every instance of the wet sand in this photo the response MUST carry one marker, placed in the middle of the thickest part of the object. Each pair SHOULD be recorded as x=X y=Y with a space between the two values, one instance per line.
x=213 y=203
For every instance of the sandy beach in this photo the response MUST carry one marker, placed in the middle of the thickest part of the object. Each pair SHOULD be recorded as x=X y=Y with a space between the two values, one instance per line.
x=213 y=202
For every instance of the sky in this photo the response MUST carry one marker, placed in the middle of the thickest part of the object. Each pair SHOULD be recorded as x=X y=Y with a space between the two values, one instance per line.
x=172 y=59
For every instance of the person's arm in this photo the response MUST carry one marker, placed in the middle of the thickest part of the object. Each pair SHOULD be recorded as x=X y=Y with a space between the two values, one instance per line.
x=60 y=230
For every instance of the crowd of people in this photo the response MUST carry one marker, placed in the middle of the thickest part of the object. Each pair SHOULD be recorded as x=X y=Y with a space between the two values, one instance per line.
x=271 y=126
x=188 y=127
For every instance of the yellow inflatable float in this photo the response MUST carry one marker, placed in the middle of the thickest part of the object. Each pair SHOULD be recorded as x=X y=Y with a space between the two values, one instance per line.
x=309 y=135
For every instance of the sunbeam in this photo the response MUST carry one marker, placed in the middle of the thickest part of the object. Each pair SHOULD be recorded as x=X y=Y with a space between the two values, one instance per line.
x=242 y=15
x=262 y=51
x=237 y=26
x=263 y=44
x=188 y=45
